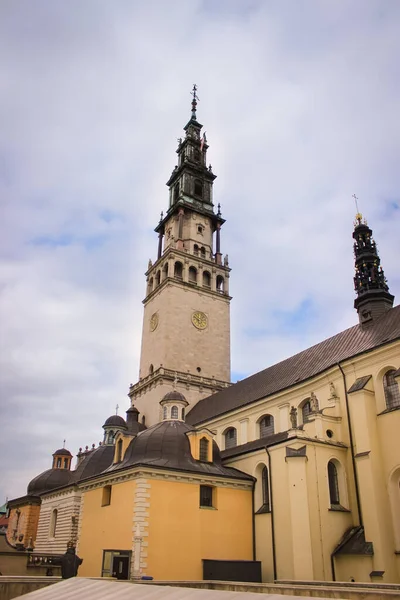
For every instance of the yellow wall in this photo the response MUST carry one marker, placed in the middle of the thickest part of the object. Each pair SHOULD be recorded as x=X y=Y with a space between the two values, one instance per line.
x=105 y=527
x=181 y=534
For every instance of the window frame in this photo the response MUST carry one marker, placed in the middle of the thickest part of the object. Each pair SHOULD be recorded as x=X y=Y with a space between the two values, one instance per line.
x=204 y=449
x=106 y=495
x=206 y=496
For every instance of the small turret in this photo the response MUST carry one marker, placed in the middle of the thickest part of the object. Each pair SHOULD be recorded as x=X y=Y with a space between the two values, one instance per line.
x=62 y=459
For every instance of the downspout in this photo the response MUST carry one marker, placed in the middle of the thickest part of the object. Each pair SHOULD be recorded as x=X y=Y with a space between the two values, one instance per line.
x=353 y=460
x=272 y=515
x=254 y=522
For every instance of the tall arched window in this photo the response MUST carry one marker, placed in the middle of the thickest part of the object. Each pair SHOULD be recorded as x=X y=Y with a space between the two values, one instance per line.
x=165 y=412
x=151 y=370
x=165 y=271
x=151 y=285
x=119 y=451
x=206 y=279
x=110 y=437
x=176 y=191
x=220 y=284
x=230 y=438
x=203 y=252
x=174 y=412
x=306 y=410
x=266 y=425
x=204 y=444
x=196 y=249
x=58 y=463
x=158 y=278
x=333 y=484
x=178 y=270
x=192 y=275
x=391 y=389
x=53 y=523
x=183 y=414
x=265 y=489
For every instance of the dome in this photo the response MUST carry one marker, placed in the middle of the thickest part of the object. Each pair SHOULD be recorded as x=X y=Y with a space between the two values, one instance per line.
x=49 y=480
x=94 y=462
x=174 y=396
x=63 y=452
x=115 y=421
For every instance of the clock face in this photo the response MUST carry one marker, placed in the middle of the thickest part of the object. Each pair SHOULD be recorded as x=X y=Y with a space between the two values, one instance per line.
x=199 y=320
x=153 y=321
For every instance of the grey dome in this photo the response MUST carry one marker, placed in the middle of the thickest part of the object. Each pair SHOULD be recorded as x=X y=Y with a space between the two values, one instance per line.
x=174 y=396
x=49 y=480
x=115 y=421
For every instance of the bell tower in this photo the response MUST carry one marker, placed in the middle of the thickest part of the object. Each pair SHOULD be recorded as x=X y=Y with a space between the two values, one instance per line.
x=186 y=322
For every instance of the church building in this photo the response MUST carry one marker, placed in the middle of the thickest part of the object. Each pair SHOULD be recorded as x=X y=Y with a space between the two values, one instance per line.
x=290 y=474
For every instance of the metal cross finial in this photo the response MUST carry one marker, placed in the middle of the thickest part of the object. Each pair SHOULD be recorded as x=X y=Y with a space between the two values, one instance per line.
x=64 y=443
x=355 y=200
x=194 y=93
x=116 y=409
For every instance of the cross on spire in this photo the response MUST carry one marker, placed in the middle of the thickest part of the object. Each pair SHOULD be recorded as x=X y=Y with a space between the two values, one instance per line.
x=64 y=443
x=116 y=409
x=355 y=200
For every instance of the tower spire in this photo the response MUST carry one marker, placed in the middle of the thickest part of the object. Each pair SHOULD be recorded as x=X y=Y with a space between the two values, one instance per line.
x=370 y=284
x=194 y=101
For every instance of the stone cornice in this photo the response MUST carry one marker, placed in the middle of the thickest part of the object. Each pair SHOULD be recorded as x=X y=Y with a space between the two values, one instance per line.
x=161 y=375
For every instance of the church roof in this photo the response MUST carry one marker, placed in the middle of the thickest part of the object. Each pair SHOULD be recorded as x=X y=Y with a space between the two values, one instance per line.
x=115 y=421
x=300 y=367
x=166 y=445
x=49 y=480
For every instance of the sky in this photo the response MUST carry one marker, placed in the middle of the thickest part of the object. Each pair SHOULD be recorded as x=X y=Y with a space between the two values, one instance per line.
x=300 y=101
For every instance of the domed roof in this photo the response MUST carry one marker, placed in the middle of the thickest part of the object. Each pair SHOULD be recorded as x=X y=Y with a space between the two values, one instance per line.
x=95 y=462
x=166 y=445
x=62 y=451
x=115 y=421
x=49 y=480
x=174 y=396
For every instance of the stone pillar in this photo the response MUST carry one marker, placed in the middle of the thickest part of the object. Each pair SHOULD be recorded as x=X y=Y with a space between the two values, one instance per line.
x=218 y=255
x=160 y=240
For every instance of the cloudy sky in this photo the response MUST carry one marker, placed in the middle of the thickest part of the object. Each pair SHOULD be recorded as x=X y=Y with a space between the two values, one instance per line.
x=300 y=101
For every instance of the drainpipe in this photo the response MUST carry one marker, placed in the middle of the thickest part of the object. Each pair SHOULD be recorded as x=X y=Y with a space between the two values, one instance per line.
x=254 y=522
x=360 y=519
x=272 y=515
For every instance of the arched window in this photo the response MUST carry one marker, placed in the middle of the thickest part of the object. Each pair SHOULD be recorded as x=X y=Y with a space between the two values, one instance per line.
x=391 y=389
x=58 y=463
x=143 y=420
x=266 y=426
x=178 y=270
x=174 y=412
x=183 y=414
x=176 y=191
x=197 y=155
x=204 y=444
x=110 y=437
x=220 y=284
x=151 y=284
x=158 y=278
x=230 y=438
x=206 y=279
x=203 y=252
x=192 y=275
x=165 y=271
x=151 y=370
x=53 y=523
x=198 y=188
x=119 y=451
x=65 y=463
x=265 y=489
x=306 y=410
x=333 y=484
x=165 y=412
x=196 y=249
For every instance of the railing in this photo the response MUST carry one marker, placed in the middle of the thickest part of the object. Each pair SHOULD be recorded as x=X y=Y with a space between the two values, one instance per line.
x=181 y=377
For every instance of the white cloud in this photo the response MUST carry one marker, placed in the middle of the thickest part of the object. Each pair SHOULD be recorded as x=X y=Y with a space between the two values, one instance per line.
x=300 y=104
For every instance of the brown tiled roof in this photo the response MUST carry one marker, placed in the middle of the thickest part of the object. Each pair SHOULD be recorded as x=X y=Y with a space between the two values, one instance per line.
x=300 y=367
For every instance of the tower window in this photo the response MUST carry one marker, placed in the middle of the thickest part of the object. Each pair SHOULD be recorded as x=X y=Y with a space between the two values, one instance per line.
x=198 y=188
x=206 y=496
x=192 y=275
x=178 y=270
x=151 y=370
x=230 y=438
x=333 y=484
x=203 y=252
x=65 y=463
x=195 y=249
x=176 y=192
x=53 y=523
x=182 y=157
x=106 y=497
x=206 y=279
x=183 y=414
x=158 y=278
x=266 y=426
x=204 y=444
x=220 y=284
x=391 y=390
x=165 y=270
x=197 y=155
x=200 y=229
x=165 y=412
x=174 y=412
x=58 y=463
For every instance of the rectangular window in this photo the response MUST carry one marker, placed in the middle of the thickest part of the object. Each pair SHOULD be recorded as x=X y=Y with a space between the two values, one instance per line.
x=106 y=498
x=206 y=496
x=108 y=560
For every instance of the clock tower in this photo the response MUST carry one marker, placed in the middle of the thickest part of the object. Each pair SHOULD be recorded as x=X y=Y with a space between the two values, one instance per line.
x=186 y=322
